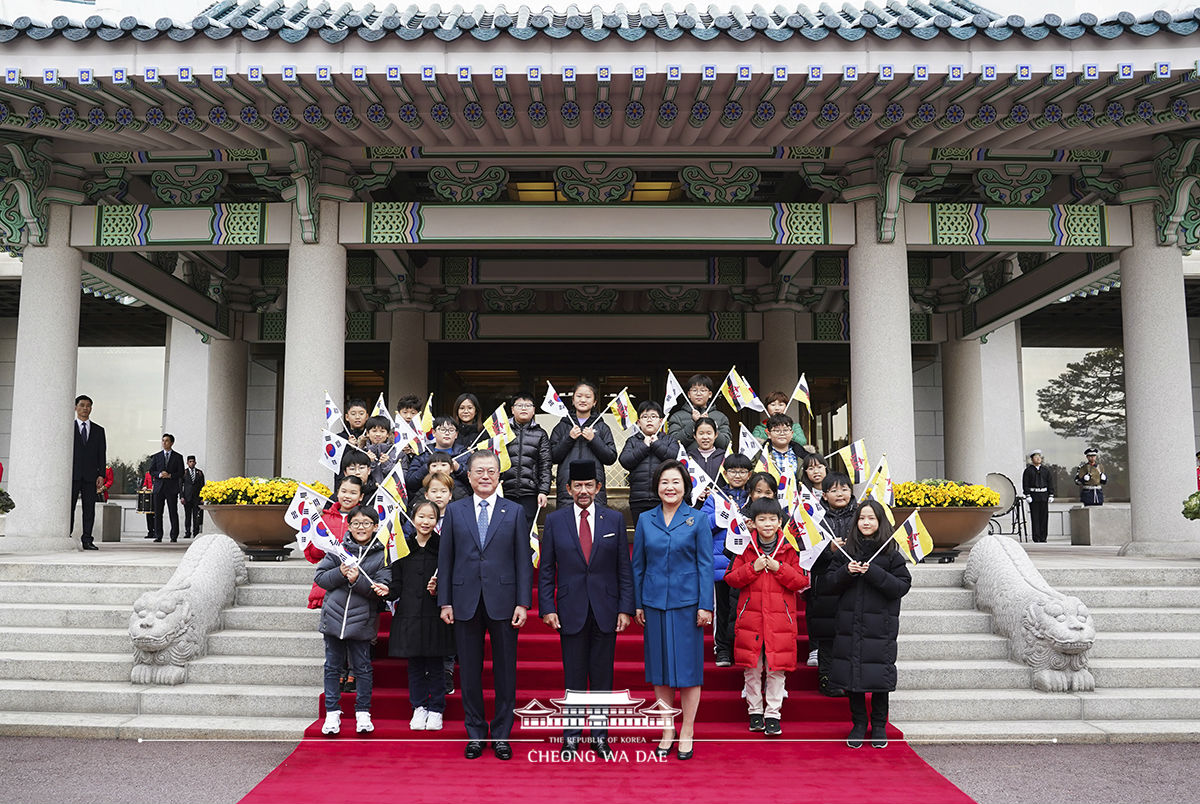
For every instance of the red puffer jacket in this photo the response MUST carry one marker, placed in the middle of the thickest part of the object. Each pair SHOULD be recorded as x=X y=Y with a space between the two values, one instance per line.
x=766 y=615
x=335 y=521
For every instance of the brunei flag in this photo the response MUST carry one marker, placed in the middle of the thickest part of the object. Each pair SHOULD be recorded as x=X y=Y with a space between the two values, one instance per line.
x=800 y=394
x=750 y=399
x=497 y=424
x=427 y=418
x=535 y=545
x=499 y=446
x=622 y=408
x=391 y=536
x=914 y=540
x=854 y=456
x=381 y=409
x=731 y=389
x=394 y=484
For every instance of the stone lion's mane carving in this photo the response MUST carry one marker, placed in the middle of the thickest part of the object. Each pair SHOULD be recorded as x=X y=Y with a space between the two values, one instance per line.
x=1047 y=630
x=170 y=626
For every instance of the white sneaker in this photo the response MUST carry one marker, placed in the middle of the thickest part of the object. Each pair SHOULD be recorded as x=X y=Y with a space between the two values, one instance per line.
x=333 y=723
x=419 y=719
x=433 y=722
x=812 y=658
x=362 y=722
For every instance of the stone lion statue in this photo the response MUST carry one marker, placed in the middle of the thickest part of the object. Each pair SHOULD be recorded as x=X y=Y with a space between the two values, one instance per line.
x=170 y=626
x=1047 y=630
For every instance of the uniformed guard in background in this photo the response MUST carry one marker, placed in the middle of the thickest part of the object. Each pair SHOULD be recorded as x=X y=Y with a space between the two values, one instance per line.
x=1090 y=478
x=1037 y=484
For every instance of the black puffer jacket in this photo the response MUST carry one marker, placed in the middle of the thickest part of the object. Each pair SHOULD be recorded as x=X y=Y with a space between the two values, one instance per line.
x=564 y=450
x=352 y=612
x=641 y=460
x=529 y=452
x=868 y=621
x=417 y=627
x=822 y=598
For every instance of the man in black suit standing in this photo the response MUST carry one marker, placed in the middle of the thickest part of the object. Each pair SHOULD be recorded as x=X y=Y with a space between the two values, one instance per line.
x=485 y=585
x=166 y=467
x=585 y=592
x=87 y=467
x=192 y=483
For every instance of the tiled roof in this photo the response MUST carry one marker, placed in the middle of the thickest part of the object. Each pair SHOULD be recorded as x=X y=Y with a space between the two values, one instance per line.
x=885 y=19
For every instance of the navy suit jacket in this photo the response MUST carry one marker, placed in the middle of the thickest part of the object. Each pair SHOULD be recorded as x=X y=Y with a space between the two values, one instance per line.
x=673 y=565
x=174 y=466
x=502 y=571
x=88 y=458
x=568 y=585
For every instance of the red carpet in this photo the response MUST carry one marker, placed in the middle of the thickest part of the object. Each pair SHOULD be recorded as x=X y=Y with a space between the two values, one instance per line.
x=809 y=762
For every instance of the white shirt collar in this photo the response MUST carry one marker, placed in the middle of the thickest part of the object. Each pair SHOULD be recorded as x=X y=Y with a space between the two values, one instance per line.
x=79 y=421
x=491 y=501
x=591 y=509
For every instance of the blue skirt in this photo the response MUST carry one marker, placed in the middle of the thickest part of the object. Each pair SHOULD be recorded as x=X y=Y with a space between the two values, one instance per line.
x=674 y=648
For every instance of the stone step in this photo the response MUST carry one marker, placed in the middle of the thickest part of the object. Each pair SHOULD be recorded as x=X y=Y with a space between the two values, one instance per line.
x=1131 y=645
x=269 y=594
x=150 y=727
x=44 y=592
x=231 y=700
x=293 y=571
x=65 y=666
x=1122 y=703
x=985 y=705
x=1146 y=673
x=944 y=622
x=1124 y=573
x=951 y=646
x=103 y=697
x=964 y=674
x=271 y=618
x=104 y=570
x=943 y=575
x=281 y=671
x=66 y=615
x=938 y=598
x=66 y=640
x=1135 y=596
x=307 y=643
x=1114 y=620
x=1050 y=731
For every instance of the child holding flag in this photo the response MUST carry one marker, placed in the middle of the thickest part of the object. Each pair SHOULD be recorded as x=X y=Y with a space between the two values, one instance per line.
x=527 y=483
x=682 y=423
x=783 y=456
x=349 y=495
x=467 y=422
x=350 y=616
x=720 y=509
x=869 y=587
x=584 y=436
x=644 y=450
x=379 y=448
x=768 y=576
x=356 y=421
x=703 y=450
x=822 y=600
x=777 y=402
x=418 y=633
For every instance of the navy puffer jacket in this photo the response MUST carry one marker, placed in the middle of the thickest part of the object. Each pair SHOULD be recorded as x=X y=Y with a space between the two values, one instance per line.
x=352 y=611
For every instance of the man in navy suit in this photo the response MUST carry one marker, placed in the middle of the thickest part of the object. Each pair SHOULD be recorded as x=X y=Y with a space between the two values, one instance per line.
x=485 y=584
x=87 y=468
x=585 y=592
x=166 y=468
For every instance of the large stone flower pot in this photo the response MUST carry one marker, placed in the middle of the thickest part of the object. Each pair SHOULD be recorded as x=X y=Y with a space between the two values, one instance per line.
x=950 y=526
x=258 y=529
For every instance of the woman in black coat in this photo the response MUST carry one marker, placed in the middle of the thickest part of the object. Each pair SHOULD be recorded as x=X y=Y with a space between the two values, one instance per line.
x=821 y=601
x=418 y=633
x=584 y=436
x=868 y=621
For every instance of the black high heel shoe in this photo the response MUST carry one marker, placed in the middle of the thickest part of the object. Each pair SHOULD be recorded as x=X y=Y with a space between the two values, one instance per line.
x=663 y=753
x=686 y=755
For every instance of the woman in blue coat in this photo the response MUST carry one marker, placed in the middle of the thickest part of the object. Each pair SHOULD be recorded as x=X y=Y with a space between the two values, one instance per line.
x=673 y=593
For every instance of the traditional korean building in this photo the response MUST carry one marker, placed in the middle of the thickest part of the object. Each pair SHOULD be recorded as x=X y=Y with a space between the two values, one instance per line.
x=376 y=198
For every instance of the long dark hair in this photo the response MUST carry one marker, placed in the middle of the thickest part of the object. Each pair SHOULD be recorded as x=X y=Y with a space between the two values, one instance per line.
x=476 y=423
x=863 y=547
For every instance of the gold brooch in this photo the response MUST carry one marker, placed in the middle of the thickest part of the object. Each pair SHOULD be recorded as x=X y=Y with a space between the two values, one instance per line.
x=690 y=521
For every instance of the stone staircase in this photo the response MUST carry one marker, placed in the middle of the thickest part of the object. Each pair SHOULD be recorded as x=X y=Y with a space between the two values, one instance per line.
x=956 y=682
x=65 y=656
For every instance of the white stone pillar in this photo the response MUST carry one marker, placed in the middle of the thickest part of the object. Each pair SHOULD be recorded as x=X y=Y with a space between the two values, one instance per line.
x=225 y=449
x=44 y=395
x=881 y=375
x=777 y=357
x=315 y=342
x=1158 y=410
x=408 y=357
x=981 y=399
x=184 y=413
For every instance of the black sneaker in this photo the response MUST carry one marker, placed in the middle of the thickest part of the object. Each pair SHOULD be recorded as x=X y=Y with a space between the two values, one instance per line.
x=857 y=734
x=773 y=728
x=756 y=723
x=724 y=660
x=879 y=735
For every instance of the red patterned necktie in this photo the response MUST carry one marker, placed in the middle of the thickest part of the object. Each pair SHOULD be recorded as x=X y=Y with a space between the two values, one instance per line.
x=585 y=535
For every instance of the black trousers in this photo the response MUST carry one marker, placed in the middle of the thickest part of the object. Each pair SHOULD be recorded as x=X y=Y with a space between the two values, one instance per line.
x=528 y=505
x=636 y=509
x=468 y=637
x=725 y=617
x=87 y=490
x=588 y=665
x=193 y=518
x=171 y=502
x=858 y=708
x=1039 y=518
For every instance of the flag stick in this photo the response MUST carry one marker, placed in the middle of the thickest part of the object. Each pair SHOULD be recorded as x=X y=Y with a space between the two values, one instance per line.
x=717 y=393
x=533 y=527
x=880 y=550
